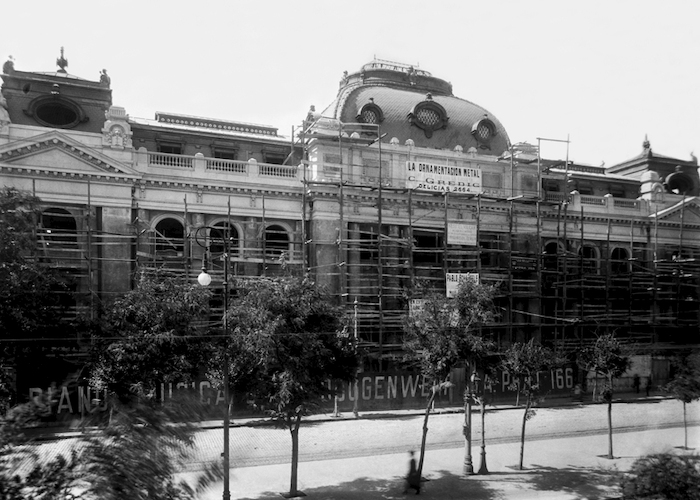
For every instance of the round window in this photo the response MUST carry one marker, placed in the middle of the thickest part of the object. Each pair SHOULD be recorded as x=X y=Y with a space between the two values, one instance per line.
x=484 y=132
x=55 y=111
x=369 y=116
x=56 y=114
x=428 y=117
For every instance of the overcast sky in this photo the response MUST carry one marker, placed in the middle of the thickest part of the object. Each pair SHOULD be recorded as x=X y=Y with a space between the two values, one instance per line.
x=603 y=73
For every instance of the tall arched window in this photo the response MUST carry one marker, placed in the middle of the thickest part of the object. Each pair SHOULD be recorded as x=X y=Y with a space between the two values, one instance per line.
x=551 y=252
x=589 y=255
x=217 y=236
x=170 y=237
x=276 y=240
x=59 y=229
x=619 y=261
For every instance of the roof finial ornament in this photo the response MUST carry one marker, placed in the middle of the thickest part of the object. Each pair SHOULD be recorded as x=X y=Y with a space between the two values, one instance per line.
x=9 y=66
x=104 y=78
x=62 y=63
x=693 y=158
x=647 y=147
x=412 y=75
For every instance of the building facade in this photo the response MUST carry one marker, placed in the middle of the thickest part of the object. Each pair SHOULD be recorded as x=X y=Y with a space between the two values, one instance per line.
x=396 y=181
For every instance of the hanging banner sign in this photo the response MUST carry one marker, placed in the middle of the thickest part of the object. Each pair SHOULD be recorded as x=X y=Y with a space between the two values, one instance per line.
x=443 y=178
x=461 y=233
x=452 y=281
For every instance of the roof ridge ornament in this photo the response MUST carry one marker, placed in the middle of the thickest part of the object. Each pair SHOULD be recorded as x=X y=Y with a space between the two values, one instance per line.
x=62 y=63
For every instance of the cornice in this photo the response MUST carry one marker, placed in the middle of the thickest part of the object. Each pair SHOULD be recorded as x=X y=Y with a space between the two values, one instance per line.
x=73 y=174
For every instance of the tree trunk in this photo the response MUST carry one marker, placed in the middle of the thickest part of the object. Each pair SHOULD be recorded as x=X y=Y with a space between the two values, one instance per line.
x=294 y=429
x=595 y=386
x=610 y=438
x=528 y=404
x=685 y=428
x=425 y=429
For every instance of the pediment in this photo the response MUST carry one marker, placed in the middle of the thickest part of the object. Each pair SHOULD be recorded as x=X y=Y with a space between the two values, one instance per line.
x=686 y=211
x=58 y=152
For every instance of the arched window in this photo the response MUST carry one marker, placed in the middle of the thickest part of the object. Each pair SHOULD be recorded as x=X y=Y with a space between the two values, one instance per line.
x=217 y=239
x=589 y=256
x=551 y=253
x=619 y=261
x=170 y=237
x=59 y=228
x=276 y=240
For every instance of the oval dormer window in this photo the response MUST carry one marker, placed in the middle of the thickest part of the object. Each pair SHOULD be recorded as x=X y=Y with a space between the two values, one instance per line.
x=679 y=183
x=56 y=112
x=484 y=131
x=370 y=113
x=429 y=116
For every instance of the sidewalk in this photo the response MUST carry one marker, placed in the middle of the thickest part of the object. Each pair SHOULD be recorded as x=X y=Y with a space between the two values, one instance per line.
x=68 y=430
x=562 y=469
x=553 y=402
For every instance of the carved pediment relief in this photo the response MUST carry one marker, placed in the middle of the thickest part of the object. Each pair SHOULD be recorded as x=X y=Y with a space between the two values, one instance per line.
x=58 y=152
x=687 y=211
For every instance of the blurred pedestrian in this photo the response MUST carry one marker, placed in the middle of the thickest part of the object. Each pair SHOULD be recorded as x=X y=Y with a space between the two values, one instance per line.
x=635 y=383
x=648 y=386
x=413 y=478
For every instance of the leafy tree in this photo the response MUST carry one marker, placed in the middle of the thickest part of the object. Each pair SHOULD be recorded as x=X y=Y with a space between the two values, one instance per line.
x=150 y=336
x=685 y=385
x=286 y=342
x=442 y=333
x=30 y=308
x=663 y=476
x=524 y=362
x=606 y=357
x=139 y=448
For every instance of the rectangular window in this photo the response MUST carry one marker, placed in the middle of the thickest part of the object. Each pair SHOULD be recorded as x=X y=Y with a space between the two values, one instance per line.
x=586 y=190
x=225 y=154
x=170 y=148
x=274 y=158
x=428 y=249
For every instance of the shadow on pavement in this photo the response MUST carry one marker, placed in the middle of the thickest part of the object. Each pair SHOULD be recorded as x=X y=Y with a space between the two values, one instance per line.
x=584 y=482
x=442 y=485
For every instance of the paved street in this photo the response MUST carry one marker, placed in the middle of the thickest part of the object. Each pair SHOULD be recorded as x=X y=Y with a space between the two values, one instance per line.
x=402 y=431
x=359 y=459
x=348 y=458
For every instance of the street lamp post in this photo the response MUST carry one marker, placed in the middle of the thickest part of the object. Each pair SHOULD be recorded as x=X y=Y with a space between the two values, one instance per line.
x=204 y=279
x=479 y=389
x=468 y=466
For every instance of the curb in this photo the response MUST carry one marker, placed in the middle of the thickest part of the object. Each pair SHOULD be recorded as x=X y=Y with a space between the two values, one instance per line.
x=257 y=421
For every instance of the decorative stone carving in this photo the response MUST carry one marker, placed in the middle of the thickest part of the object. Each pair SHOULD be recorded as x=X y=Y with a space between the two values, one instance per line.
x=4 y=116
x=116 y=132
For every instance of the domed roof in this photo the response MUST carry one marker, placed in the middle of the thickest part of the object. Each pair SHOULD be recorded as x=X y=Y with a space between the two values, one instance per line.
x=408 y=103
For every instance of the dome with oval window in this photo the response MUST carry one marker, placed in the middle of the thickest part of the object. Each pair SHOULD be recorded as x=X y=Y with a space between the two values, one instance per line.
x=410 y=104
